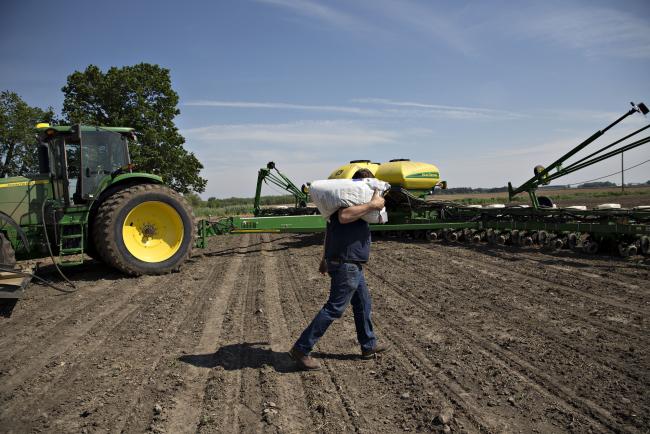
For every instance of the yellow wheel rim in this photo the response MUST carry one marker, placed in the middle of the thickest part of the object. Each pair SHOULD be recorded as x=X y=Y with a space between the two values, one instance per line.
x=153 y=231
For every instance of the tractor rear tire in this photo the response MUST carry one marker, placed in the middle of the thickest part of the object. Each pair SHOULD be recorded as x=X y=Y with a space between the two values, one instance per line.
x=144 y=229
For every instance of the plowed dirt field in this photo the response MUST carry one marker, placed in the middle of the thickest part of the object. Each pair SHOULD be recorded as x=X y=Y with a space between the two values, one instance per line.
x=484 y=339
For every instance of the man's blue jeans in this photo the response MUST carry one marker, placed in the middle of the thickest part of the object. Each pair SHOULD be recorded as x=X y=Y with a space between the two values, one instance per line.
x=347 y=286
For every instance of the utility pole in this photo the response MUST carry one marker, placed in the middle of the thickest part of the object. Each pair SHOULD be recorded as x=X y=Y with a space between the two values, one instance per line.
x=622 y=175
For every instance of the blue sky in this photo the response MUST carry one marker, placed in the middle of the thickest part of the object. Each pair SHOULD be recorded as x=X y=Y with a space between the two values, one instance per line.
x=485 y=90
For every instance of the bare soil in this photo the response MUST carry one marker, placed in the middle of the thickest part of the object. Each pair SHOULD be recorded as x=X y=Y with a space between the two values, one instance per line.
x=484 y=339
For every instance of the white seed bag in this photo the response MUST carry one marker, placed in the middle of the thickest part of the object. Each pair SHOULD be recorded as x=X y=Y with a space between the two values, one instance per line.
x=331 y=194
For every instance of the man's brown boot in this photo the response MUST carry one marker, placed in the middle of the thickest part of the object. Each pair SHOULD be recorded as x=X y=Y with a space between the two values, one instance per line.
x=370 y=354
x=303 y=360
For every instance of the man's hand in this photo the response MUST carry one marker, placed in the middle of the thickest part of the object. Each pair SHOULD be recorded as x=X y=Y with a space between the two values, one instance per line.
x=322 y=268
x=377 y=202
x=355 y=212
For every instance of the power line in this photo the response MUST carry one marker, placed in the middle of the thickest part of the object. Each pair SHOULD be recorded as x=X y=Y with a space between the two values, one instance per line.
x=611 y=174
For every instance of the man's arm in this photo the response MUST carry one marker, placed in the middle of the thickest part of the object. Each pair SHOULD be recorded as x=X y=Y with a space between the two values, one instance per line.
x=354 y=213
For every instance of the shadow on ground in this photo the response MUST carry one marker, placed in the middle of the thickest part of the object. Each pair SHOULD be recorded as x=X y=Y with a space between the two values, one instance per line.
x=254 y=355
x=233 y=357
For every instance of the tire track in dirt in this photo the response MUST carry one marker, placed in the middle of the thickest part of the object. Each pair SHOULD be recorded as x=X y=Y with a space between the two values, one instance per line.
x=219 y=391
x=515 y=269
x=74 y=350
x=514 y=276
x=52 y=305
x=165 y=366
x=29 y=332
x=40 y=354
x=510 y=311
x=184 y=415
x=224 y=407
x=577 y=262
x=575 y=310
x=520 y=256
x=541 y=382
x=114 y=343
x=467 y=410
x=294 y=416
x=613 y=370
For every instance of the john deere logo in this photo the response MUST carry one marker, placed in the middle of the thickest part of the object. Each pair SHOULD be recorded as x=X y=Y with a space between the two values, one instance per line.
x=338 y=172
x=427 y=175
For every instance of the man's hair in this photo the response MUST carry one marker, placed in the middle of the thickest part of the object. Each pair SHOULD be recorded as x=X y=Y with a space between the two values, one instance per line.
x=362 y=173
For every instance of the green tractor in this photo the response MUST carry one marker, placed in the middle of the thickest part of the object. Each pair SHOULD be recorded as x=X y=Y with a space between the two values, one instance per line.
x=86 y=199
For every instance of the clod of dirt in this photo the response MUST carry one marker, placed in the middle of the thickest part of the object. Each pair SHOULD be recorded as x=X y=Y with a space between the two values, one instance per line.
x=157 y=409
x=405 y=395
x=444 y=417
x=446 y=429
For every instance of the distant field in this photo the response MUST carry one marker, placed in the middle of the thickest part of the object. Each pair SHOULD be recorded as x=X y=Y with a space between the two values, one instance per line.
x=632 y=196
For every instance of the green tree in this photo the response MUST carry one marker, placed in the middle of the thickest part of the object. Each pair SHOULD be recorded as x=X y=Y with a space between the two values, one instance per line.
x=193 y=199
x=18 y=144
x=213 y=202
x=138 y=96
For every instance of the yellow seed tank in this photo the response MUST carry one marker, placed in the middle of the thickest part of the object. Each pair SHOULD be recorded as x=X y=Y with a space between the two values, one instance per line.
x=411 y=175
x=348 y=170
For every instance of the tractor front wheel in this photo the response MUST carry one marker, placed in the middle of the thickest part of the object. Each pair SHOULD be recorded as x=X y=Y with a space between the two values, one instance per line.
x=144 y=229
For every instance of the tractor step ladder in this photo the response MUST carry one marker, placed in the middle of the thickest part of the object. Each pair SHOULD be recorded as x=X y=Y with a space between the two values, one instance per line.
x=71 y=240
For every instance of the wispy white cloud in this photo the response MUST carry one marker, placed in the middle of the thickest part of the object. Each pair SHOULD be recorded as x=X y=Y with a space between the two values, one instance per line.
x=297 y=135
x=323 y=13
x=386 y=17
x=433 y=23
x=596 y=31
x=374 y=107
x=437 y=110
x=281 y=106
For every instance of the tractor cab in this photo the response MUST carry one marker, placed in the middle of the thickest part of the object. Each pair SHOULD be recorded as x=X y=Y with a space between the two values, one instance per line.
x=80 y=159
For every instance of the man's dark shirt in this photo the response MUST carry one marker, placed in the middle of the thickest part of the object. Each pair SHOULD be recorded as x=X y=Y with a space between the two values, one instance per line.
x=347 y=242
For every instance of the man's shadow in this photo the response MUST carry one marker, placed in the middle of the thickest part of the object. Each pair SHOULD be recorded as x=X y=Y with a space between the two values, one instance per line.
x=254 y=355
